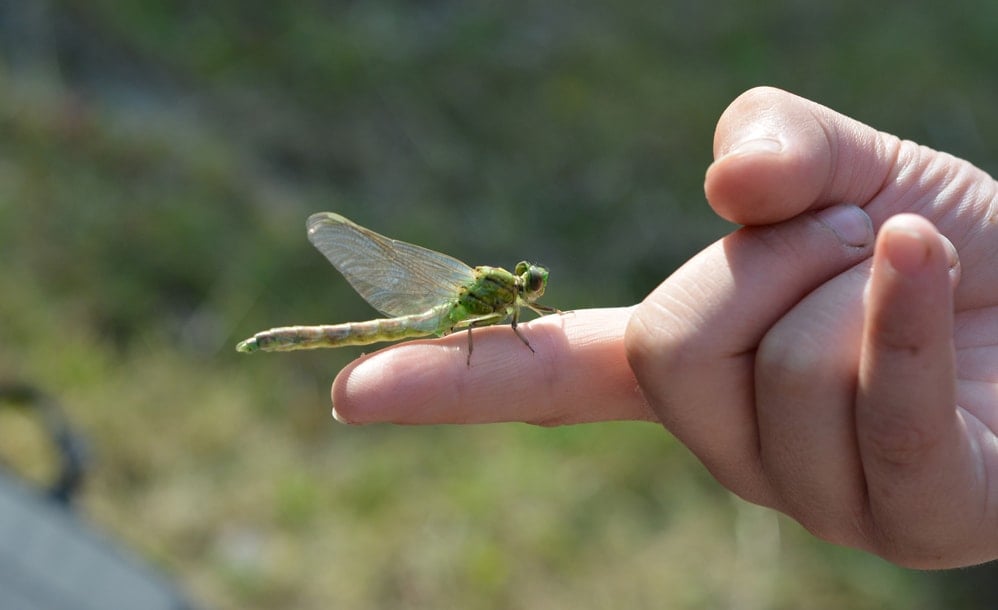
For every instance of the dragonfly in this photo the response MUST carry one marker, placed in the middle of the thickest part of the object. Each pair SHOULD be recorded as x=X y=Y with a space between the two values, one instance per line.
x=422 y=292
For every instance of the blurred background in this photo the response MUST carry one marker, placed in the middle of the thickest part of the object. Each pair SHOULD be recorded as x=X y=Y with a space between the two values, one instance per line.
x=158 y=160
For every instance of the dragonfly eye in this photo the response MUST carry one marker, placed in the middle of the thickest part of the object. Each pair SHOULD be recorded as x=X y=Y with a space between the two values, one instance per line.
x=532 y=278
x=537 y=279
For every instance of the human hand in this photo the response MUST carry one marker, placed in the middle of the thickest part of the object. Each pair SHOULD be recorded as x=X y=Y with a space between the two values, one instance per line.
x=694 y=341
x=867 y=408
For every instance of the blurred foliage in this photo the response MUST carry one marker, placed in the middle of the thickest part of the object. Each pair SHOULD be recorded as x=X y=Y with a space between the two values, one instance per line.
x=158 y=159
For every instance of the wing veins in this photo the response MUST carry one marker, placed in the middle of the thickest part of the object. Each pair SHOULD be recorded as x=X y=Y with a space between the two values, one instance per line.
x=397 y=278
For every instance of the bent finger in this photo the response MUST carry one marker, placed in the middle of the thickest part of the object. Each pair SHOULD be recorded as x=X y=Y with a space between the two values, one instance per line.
x=778 y=155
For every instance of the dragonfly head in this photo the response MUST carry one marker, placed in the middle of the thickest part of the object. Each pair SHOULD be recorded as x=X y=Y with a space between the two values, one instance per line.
x=533 y=280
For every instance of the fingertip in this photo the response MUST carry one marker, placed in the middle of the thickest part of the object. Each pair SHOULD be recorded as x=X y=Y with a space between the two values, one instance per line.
x=389 y=385
x=749 y=186
x=778 y=154
x=911 y=288
x=905 y=248
x=772 y=158
x=336 y=394
x=339 y=418
x=910 y=245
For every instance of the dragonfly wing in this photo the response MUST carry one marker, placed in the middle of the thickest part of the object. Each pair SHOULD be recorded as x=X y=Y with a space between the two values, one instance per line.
x=396 y=277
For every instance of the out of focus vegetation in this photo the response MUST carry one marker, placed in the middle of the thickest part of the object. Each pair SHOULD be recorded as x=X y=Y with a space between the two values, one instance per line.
x=157 y=162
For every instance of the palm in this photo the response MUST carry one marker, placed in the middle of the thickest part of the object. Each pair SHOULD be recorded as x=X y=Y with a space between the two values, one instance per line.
x=977 y=379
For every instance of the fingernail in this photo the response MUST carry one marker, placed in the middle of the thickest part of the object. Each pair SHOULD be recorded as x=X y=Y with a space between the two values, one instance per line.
x=906 y=250
x=337 y=417
x=952 y=256
x=849 y=222
x=756 y=145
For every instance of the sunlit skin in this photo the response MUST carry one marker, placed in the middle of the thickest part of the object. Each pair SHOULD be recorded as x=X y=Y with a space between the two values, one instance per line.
x=836 y=359
x=424 y=293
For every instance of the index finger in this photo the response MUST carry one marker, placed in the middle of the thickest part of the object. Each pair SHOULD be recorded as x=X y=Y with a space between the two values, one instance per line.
x=577 y=373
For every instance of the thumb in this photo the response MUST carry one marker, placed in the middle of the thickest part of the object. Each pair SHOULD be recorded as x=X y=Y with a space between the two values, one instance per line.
x=778 y=155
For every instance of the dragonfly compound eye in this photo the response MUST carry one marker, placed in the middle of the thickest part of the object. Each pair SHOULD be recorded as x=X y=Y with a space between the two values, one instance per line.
x=537 y=279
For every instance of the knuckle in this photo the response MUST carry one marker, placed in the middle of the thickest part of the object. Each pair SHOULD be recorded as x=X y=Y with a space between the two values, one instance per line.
x=651 y=340
x=789 y=355
x=895 y=440
x=784 y=242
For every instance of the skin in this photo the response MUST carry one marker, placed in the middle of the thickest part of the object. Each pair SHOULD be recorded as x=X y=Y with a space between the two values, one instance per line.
x=833 y=362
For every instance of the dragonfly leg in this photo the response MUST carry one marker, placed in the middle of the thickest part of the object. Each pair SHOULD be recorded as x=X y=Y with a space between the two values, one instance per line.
x=524 y=339
x=486 y=321
x=516 y=315
x=471 y=345
x=543 y=309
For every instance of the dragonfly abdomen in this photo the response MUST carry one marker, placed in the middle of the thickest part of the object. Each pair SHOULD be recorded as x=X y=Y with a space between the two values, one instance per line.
x=290 y=338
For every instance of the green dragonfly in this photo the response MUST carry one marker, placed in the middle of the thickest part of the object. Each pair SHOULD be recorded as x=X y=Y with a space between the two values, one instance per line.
x=422 y=292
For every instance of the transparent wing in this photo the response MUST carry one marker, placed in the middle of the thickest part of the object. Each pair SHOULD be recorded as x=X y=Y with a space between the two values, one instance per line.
x=397 y=278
